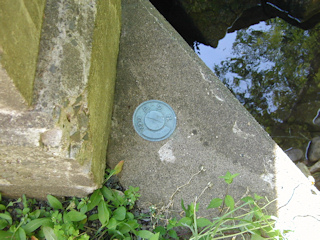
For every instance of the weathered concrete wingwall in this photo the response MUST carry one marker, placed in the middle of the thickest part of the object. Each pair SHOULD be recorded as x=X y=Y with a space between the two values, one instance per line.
x=57 y=145
x=20 y=27
x=213 y=131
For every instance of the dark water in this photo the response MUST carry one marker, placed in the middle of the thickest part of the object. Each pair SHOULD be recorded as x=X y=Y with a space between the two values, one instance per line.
x=275 y=76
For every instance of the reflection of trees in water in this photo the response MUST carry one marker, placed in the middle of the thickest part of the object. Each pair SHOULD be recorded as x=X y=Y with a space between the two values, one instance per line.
x=275 y=74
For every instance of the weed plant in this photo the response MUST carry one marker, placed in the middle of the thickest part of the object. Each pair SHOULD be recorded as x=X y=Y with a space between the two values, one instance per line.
x=247 y=221
x=107 y=214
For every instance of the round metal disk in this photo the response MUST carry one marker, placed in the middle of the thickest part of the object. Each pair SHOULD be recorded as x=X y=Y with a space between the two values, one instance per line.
x=154 y=120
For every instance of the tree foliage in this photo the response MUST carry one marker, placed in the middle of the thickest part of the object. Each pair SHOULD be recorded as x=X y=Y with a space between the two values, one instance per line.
x=273 y=72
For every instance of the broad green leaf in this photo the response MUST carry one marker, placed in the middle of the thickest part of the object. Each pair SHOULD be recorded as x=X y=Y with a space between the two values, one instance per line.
x=115 y=234
x=76 y=216
x=35 y=214
x=103 y=213
x=107 y=193
x=155 y=236
x=203 y=222
x=65 y=217
x=145 y=234
x=124 y=228
x=129 y=216
x=247 y=199
x=83 y=209
x=229 y=201
x=185 y=221
x=118 y=167
x=3 y=223
x=35 y=224
x=119 y=198
x=25 y=211
x=49 y=233
x=5 y=235
x=172 y=223
x=172 y=233
x=95 y=198
x=54 y=202
x=112 y=223
x=120 y=213
x=128 y=226
x=20 y=234
x=161 y=230
x=2 y=207
x=82 y=203
x=133 y=224
x=216 y=202
x=6 y=216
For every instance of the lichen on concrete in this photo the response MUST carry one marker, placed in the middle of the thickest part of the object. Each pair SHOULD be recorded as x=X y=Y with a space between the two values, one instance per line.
x=65 y=53
x=102 y=79
x=20 y=28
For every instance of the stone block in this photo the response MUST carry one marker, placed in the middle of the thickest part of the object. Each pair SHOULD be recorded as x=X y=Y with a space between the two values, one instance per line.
x=214 y=131
x=56 y=142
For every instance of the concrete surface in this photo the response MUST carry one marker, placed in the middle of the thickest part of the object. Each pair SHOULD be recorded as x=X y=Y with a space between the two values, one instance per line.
x=20 y=28
x=214 y=131
x=57 y=145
